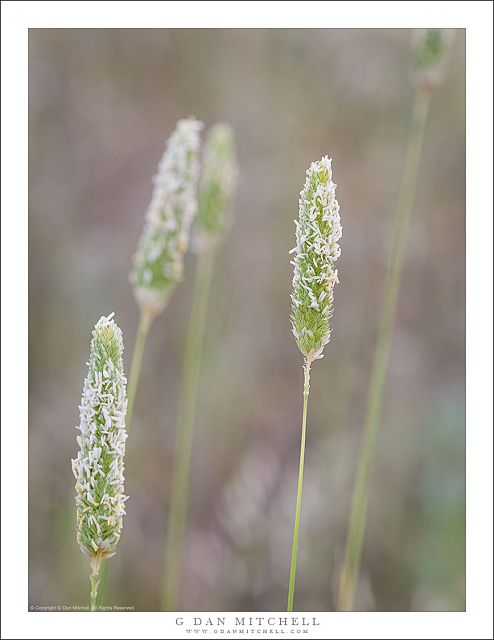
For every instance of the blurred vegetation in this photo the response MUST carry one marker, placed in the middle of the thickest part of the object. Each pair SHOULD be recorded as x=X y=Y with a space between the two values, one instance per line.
x=102 y=103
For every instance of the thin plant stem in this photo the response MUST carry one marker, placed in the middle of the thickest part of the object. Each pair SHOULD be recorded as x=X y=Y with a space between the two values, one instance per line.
x=185 y=430
x=95 y=567
x=293 y=566
x=358 y=514
x=135 y=369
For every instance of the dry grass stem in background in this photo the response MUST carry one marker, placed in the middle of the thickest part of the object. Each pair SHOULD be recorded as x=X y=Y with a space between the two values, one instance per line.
x=430 y=53
x=219 y=175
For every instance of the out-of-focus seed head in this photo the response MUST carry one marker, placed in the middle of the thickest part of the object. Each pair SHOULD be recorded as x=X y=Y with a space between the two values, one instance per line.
x=318 y=231
x=217 y=186
x=99 y=466
x=158 y=262
x=431 y=49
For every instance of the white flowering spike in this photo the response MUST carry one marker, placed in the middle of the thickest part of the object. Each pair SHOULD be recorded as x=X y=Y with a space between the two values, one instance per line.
x=217 y=186
x=318 y=230
x=99 y=466
x=158 y=262
x=430 y=55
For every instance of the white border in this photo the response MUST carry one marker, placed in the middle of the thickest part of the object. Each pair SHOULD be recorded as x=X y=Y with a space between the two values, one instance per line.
x=476 y=17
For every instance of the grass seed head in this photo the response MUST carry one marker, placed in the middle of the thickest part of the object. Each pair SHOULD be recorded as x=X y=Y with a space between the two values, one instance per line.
x=158 y=262
x=431 y=49
x=318 y=231
x=99 y=466
x=217 y=186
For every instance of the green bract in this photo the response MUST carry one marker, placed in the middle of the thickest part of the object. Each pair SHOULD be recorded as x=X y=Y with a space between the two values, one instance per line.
x=99 y=466
x=158 y=262
x=219 y=176
x=318 y=230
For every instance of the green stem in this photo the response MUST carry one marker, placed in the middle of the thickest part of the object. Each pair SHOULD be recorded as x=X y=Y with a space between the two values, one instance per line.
x=185 y=430
x=135 y=369
x=95 y=567
x=374 y=399
x=293 y=566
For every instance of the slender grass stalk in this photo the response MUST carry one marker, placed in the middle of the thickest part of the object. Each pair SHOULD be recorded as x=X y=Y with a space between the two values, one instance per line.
x=429 y=58
x=293 y=565
x=101 y=580
x=95 y=569
x=318 y=231
x=215 y=197
x=145 y=321
x=185 y=430
x=360 y=496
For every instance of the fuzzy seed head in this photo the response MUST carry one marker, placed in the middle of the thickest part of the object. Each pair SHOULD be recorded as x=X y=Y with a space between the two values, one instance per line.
x=158 y=262
x=217 y=186
x=430 y=55
x=99 y=466
x=318 y=231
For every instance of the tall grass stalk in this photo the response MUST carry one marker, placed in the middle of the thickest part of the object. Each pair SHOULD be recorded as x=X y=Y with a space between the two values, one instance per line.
x=429 y=60
x=145 y=321
x=185 y=430
x=215 y=197
x=318 y=230
x=298 y=507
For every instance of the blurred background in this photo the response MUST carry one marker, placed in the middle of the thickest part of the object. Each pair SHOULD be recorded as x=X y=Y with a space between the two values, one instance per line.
x=102 y=104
